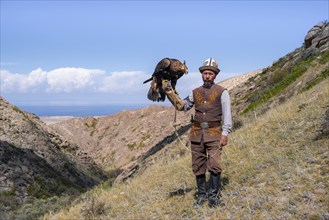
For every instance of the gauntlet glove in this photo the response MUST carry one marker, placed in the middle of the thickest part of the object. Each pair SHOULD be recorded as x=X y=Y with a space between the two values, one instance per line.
x=173 y=95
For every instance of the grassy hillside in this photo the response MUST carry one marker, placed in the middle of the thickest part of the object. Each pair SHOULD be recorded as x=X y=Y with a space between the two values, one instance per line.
x=294 y=73
x=276 y=167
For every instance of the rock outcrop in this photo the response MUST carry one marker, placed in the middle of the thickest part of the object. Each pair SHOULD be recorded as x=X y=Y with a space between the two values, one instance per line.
x=317 y=37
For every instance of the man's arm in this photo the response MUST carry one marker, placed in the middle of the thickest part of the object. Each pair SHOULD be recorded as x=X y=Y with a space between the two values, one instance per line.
x=227 y=116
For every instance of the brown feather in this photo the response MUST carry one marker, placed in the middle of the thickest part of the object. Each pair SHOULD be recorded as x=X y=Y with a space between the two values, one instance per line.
x=166 y=69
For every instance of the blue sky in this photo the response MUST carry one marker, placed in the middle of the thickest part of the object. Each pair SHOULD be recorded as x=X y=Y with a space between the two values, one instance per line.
x=100 y=52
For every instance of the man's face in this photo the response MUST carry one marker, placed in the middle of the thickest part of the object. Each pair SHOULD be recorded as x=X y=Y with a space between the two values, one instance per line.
x=208 y=76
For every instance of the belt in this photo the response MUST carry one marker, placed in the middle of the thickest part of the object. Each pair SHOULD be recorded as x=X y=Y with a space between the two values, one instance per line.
x=205 y=125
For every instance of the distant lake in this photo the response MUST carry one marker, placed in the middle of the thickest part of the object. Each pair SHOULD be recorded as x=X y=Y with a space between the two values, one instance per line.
x=78 y=110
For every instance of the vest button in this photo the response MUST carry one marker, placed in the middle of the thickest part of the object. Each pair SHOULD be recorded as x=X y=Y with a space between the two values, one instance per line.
x=205 y=101
x=204 y=113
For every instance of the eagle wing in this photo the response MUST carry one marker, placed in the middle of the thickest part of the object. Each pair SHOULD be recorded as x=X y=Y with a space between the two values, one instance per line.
x=159 y=70
x=162 y=65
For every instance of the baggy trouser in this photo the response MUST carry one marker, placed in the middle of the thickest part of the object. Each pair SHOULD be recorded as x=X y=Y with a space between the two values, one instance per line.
x=206 y=156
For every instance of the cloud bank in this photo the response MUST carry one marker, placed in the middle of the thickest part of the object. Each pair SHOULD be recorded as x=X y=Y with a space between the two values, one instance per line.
x=71 y=80
x=86 y=84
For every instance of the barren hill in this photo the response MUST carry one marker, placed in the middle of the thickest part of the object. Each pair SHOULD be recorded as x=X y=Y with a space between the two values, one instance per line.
x=232 y=82
x=116 y=140
x=37 y=163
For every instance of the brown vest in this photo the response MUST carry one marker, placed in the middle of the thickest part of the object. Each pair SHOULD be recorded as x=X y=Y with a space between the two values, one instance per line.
x=208 y=108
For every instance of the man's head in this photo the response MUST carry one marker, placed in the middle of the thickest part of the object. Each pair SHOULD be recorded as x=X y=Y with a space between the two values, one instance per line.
x=209 y=71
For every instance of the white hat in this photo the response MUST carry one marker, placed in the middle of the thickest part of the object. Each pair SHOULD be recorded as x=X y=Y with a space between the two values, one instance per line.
x=210 y=64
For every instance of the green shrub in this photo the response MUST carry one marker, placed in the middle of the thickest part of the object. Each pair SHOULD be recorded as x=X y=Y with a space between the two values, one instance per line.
x=132 y=146
x=285 y=78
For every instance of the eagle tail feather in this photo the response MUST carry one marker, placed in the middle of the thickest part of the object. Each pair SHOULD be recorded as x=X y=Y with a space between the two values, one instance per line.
x=152 y=95
x=148 y=80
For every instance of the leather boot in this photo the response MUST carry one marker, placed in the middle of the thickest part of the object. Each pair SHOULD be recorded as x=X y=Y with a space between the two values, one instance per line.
x=202 y=193
x=214 y=181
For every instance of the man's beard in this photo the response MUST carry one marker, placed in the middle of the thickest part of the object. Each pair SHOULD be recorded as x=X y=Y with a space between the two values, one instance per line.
x=207 y=85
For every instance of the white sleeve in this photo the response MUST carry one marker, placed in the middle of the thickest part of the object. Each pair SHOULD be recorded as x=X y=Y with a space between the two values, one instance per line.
x=227 y=115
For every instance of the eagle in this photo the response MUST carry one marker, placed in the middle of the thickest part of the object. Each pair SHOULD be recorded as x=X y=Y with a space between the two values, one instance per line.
x=167 y=69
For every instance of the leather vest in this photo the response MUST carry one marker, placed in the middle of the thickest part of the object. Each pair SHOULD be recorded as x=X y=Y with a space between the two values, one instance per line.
x=208 y=108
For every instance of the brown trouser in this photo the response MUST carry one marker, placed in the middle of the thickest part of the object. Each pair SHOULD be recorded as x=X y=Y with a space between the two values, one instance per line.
x=206 y=156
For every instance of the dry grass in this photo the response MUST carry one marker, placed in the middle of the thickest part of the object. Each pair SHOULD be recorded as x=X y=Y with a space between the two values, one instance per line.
x=275 y=168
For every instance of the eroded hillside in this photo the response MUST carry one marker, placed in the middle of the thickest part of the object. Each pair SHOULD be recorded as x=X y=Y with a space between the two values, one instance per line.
x=117 y=141
x=37 y=163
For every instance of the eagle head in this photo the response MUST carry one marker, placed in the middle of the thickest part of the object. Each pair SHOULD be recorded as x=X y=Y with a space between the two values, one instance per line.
x=179 y=67
x=184 y=68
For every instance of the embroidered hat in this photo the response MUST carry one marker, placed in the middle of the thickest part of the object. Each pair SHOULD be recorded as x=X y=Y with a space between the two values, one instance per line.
x=210 y=64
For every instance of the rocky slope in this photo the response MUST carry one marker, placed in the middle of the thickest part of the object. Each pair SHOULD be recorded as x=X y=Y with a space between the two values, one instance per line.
x=115 y=141
x=233 y=82
x=36 y=162
x=292 y=74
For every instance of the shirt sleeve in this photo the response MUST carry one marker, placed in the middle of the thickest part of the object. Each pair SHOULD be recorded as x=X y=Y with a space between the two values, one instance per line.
x=227 y=115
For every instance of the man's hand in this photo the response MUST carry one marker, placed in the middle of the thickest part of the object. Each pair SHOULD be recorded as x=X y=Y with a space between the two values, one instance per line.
x=223 y=140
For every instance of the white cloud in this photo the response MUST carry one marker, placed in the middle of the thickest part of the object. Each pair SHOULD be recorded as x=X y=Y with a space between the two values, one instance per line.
x=77 y=80
x=72 y=79
x=72 y=85
x=123 y=82
x=34 y=79
x=13 y=82
x=189 y=82
x=9 y=80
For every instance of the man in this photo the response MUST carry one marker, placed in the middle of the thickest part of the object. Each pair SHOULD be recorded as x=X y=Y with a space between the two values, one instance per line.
x=211 y=126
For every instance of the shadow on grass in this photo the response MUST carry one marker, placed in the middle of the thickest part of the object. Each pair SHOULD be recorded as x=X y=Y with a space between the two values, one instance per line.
x=180 y=192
